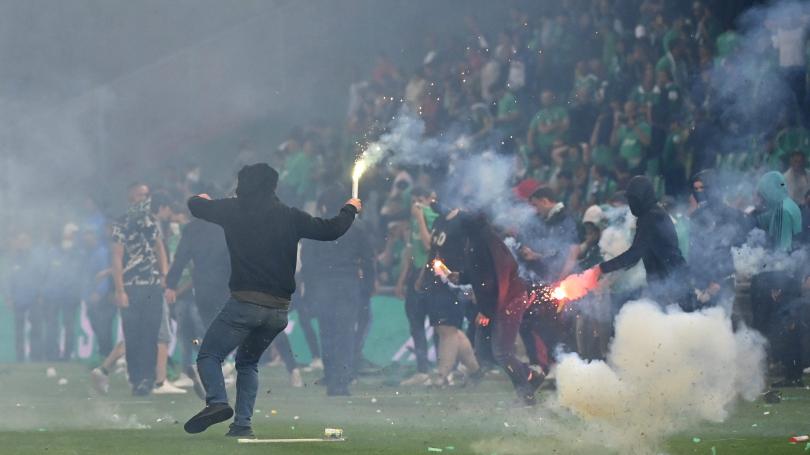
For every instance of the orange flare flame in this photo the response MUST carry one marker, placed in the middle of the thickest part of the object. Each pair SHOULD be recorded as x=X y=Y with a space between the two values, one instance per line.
x=575 y=287
x=440 y=269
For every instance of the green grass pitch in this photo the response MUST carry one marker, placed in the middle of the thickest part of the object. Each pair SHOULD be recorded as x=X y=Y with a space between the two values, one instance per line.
x=41 y=417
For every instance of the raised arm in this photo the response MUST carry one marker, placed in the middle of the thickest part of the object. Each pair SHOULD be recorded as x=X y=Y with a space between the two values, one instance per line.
x=202 y=207
x=310 y=227
x=629 y=258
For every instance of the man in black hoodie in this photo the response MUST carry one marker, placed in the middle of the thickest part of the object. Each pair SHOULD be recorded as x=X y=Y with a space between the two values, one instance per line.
x=655 y=243
x=262 y=236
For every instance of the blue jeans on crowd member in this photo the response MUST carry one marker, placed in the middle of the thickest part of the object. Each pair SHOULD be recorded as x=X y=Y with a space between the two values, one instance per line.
x=250 y=328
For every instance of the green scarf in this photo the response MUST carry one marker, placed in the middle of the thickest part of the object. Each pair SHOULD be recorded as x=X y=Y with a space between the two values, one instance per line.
x=782 y=216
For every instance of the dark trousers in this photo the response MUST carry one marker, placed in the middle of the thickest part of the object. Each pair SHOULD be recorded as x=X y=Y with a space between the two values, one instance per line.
x=416 y=309
x=33 y=314
x=284 y=348
x=249 y=329
x=60 y=313
x=306 y=315
x=141 y=322
x=541 y=330
x=363 y=326
x=338 y=302
x=101 y=315
x=505 y=328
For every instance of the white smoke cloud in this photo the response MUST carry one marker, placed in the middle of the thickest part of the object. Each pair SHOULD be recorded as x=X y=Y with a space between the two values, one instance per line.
x=666 y=371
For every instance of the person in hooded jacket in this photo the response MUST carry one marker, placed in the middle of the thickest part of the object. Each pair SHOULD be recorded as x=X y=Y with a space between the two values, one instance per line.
x=775 y=294
x=777 y=214
x=655 y=243
x=715 y=228
x=501 y=299
x=262 y=235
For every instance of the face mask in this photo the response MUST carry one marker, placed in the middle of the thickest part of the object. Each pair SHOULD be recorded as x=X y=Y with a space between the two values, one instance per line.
x=141 y=208
x=700 y=196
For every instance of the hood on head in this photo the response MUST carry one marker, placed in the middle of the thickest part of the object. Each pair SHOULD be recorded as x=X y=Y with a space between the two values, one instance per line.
x=640 y=195
x=773 y=188
x=256 y=181
x=711 y=185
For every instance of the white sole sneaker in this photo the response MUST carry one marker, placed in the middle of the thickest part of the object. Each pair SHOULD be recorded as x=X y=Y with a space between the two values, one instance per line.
x=168 y=389
x=417 y=379
x=183 y=382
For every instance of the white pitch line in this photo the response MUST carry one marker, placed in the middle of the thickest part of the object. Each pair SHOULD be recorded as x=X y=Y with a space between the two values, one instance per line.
x=271 y=441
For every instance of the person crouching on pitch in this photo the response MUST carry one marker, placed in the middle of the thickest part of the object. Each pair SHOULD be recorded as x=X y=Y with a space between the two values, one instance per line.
x=262 y=236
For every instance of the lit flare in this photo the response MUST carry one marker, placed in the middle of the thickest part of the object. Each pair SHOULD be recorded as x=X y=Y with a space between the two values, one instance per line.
x=440 y=269
x=575 y=287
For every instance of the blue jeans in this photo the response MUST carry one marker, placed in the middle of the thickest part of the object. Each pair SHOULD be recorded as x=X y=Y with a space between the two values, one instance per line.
x=250 y=329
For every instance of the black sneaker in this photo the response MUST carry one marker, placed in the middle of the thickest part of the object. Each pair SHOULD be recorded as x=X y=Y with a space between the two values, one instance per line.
x=143 y=389
x=536 y=380
x=239 y=431
x=210 y=415
x=475 y=378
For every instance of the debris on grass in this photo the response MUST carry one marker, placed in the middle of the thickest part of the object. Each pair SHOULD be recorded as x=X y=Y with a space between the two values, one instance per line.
x=62 y=381
x=696 y=440
x=273 y=412
x=766 y=413
x=434 y=449
x=50 y=372
x=373 y=400
x=802 y=438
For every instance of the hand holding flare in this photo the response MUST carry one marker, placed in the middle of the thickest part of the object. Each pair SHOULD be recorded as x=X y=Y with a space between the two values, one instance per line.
x=575 y=287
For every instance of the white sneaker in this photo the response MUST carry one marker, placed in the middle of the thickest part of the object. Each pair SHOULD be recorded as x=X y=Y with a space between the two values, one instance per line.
x=183 y=381
x=417 y=379
x=316 y=364
x=101 y=382
x=295 y=378
x=168 y=389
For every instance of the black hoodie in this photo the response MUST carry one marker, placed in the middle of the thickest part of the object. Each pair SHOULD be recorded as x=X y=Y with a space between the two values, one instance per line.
x=263 y=238
x=655 y=241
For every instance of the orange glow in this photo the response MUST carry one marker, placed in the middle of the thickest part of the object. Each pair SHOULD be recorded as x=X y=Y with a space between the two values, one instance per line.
x=440 y=269
x=575 y=287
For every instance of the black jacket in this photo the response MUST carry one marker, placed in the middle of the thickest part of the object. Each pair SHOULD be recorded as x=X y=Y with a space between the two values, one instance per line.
x=202 y=243
x=344 y=259
x=655 y=242
x=262 y=236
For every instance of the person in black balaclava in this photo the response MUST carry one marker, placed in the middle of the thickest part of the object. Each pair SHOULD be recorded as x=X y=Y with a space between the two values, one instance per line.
x=715 y=228
x=262 y=236
x=655 y=243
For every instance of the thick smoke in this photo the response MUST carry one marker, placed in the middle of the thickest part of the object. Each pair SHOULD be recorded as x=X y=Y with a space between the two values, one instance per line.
x=666 y=371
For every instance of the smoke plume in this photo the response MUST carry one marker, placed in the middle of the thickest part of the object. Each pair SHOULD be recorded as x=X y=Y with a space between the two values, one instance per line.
x=666 y=371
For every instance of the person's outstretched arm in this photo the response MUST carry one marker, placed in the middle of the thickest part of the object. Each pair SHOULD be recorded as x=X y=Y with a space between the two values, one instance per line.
x=310 y=227
x=630 y=257
x=201 y=206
